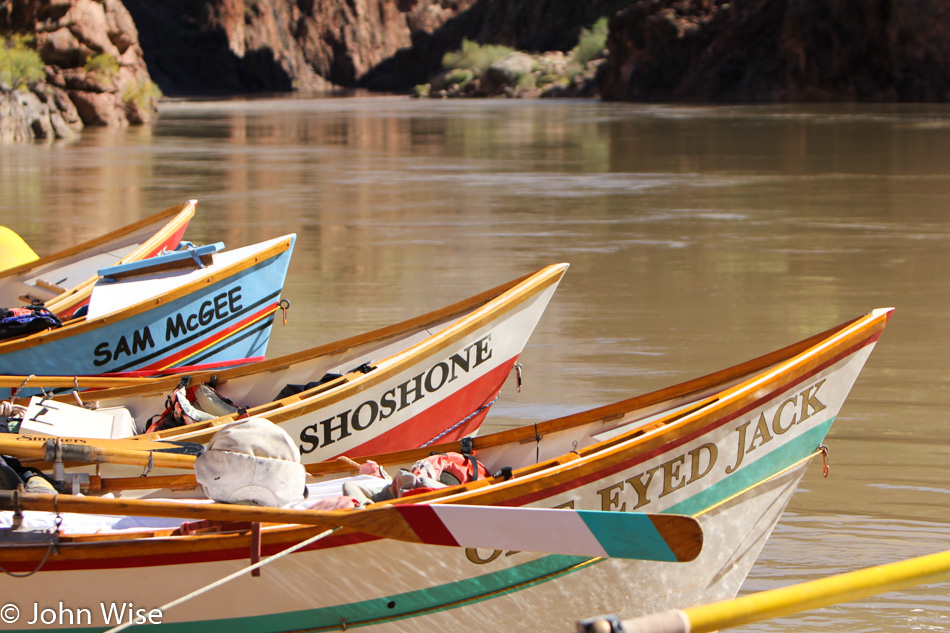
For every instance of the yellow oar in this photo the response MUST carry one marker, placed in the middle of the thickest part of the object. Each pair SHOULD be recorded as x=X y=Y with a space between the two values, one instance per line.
x=784 y=601
x=81 y=382
x=100 y=451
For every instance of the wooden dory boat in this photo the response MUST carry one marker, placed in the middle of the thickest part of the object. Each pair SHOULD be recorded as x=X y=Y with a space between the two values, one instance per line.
x=201 y=313
x=64 y=280
x=432 y=378
x=728 y=449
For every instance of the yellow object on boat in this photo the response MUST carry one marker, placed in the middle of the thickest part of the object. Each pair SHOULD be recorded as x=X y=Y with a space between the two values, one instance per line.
x=13 y=250
x=784 y=601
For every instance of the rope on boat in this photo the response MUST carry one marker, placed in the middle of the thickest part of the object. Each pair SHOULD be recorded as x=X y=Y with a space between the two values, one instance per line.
x=537 y=445
x=284 y=306
x=53 y=537
x=10 y=410
x=52 y=548
x=825 y=464
x=475 y=412
x=462 y=421
x=226 y=579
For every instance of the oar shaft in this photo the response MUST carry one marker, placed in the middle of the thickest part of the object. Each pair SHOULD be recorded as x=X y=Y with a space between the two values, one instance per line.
x=384 y=522
x=663 y=537
x=787 y=600
x=819 y=593
x=50 y=451
x=136 y=507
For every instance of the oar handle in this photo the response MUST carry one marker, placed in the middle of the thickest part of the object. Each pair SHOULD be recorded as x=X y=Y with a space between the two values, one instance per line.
x=14 y=500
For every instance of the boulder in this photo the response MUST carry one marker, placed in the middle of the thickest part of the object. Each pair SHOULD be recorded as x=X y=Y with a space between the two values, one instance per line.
x=97 y=108
x=504 y=74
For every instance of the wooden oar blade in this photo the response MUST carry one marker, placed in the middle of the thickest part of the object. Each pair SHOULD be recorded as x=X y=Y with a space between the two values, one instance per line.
x=658 y=537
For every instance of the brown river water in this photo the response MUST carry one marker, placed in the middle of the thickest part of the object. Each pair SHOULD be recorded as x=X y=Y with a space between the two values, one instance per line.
x=698 y=237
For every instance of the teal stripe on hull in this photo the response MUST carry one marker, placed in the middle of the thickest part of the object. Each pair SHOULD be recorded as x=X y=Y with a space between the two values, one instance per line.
x=397 y=606
x=487 y=586
x=760 y=470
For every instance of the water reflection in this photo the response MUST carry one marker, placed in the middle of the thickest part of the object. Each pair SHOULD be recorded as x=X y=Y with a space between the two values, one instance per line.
x=699 y=237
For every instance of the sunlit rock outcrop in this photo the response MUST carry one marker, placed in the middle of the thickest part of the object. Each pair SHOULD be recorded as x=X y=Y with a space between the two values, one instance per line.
x=237 y=46
x=94 y=70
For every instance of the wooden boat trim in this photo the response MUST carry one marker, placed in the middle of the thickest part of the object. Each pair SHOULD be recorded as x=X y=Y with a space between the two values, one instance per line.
x=605 y=413
x=565 y=471
x=123 y=387
x=787 y=365
x=304 y=402
x=862 y=331
x=185 y=212
x=84 y=325
x=187 y=209
x=729 y=405
x=150 y=546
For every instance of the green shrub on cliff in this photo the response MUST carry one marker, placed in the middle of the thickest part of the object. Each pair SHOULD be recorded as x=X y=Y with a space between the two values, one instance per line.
x=474 y=57
x=103 y=64
x=460 y=76
x=20 y=65
x=142 y=94
x=591 y=43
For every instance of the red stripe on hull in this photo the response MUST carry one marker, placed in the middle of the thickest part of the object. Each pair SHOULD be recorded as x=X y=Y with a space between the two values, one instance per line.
x=183 y=369
x=436 y=419
x=218 y=336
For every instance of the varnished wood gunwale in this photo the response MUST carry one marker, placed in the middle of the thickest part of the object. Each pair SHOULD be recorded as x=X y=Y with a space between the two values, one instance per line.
x=168 y=213
x=328 y=394
x=614 y=455
x=605 y=413
x=182 y=215
x=567 y=470
x=132 y=387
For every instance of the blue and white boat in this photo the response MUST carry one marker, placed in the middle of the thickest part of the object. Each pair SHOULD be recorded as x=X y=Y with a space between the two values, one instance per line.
x=197 y=308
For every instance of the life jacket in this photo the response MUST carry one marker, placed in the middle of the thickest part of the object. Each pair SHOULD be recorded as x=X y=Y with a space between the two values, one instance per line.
x=451 y=469
x=26 y=320
x=443 y=469
x=187 y=405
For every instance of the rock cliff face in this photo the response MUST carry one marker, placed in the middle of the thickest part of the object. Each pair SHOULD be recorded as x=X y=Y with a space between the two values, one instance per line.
x=681 y=50
x=779 y=51
x=228 y=46
x=95 y=72
x=659 y=50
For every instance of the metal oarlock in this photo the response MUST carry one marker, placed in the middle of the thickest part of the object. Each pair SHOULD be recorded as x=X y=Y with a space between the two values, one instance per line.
x=284 y=305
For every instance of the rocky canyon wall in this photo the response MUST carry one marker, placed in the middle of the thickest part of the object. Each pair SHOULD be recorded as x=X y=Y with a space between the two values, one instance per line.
x=94 y=70
x=229 y=46
x=779 y=51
